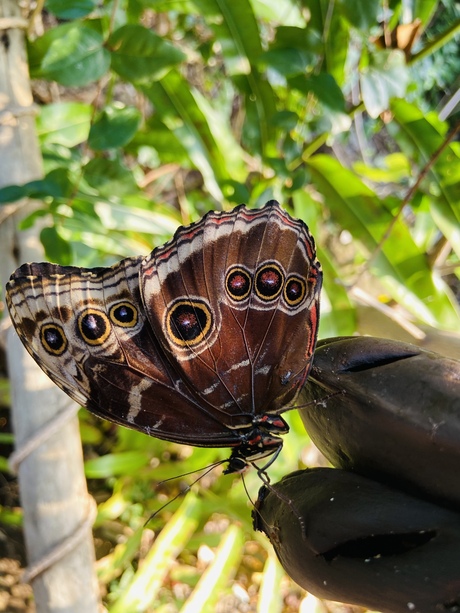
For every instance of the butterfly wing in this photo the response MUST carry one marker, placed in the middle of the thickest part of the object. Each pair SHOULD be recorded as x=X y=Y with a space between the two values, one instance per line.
x=234 y=303
x=87 y=330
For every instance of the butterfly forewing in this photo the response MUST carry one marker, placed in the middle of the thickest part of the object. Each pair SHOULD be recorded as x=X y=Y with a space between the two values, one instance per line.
x=251 y=281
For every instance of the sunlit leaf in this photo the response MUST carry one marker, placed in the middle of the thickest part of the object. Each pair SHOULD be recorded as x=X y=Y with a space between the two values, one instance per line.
x=65 y=123
x=65 y=10
x=71 y=54
x=138 y=54
x=114 y=127
x=383 y=77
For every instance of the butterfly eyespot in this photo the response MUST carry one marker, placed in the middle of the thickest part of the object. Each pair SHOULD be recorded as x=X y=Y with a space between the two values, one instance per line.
x=295 y=290
x=188 y=322
x=269 y=281
x=238 y=283
x=94 y=326
x=53 y=339
x=124 y=314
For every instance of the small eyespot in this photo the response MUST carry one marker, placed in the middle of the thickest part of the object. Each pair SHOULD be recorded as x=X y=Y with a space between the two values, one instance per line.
x=238 y=283
x=124 y=314
x=53 y=339
x=188 y=322
x=269 y=281
x=94 y=326
x=295 y=290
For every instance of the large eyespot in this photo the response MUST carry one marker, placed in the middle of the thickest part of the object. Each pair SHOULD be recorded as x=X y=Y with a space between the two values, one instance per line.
x=94 y=326
x=295 y=290
x=53 y=339
x=238 y=283
x=188 y=322
x=124 y=314
x=269 y=281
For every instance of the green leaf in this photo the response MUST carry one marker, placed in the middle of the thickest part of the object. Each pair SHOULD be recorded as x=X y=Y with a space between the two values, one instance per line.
x=71 y=54
x=111 y=464
x=425 y=136
x=201 y=131
x=74 y=10
x=143 y=588
x=288 y=62
x=424 y=10
x=12 y=193
x=327 y=20
x=64 y=123
x=237 y=32
x=56 y=248
x=338 y=314
x=114 y=127
x=218 y=574
x=235 y=27
x=404 y=272
x=109 y=177
x=385 y=76
x=329 y=95
x=361 y=14
x=394 y=167
x=140 y=55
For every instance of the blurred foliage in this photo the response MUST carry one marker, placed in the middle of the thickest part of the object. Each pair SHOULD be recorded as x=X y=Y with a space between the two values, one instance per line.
x=152 y=112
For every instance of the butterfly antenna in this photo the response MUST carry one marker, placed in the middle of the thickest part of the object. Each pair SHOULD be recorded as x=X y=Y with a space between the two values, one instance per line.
x=207 y=470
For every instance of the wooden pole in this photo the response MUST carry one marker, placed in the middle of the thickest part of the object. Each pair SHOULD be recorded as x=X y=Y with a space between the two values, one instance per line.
x=51 y=479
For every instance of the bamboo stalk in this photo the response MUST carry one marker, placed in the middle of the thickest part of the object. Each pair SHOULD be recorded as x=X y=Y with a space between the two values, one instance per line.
x=51 y=479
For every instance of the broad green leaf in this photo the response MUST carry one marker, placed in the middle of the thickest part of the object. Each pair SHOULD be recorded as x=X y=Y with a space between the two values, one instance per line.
x=111 y=464
x=71 y=54
x=237 y=31
x=156 y=143
x=338 y=314
x=400 y=266
x=394 y=167
x=331 y=99
x=287 y=13
x=293 y=52
x=115 y=216
x=114 y=127
x=326 y=19
x=426 y=135
x=209 y=143
x=383 y=77
x=361 y=14
x=64 y=123
x=288 y=62
x=57 y=249
x=109 y=177
x=258 y=134
x=12 y=193
x=162 y=6
x=140 y=55
x=74 y=10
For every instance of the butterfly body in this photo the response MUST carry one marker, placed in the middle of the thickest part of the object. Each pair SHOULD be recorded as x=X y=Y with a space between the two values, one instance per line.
x=205 y=341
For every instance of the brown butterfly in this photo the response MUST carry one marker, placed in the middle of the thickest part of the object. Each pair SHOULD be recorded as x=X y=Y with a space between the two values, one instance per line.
x=206 y=341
